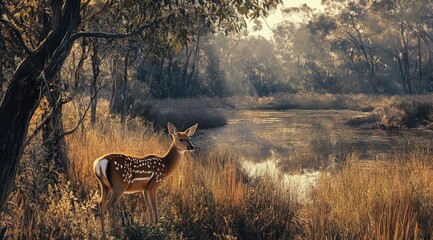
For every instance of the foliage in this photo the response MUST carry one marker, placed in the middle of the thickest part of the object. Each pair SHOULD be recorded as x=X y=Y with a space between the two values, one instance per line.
x=359 y=46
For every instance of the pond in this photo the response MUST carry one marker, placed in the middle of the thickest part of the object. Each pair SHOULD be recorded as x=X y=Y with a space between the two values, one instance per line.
x=293 y=140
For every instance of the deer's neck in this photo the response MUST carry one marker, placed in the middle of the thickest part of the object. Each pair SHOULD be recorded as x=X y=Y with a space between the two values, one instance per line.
x=172 y=158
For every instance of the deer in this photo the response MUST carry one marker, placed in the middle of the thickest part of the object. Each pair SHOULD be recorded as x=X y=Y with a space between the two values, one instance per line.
x=118 y=173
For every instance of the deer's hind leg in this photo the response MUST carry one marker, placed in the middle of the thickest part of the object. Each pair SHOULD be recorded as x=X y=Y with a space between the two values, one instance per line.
x=105 y=195
x=114 y=198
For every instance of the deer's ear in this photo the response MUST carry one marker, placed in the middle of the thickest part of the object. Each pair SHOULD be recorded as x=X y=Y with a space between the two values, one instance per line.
x=172 y=129
x=190 y=131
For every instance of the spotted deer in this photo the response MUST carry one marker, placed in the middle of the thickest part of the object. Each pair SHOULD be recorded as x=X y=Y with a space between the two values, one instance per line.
x=119 y=174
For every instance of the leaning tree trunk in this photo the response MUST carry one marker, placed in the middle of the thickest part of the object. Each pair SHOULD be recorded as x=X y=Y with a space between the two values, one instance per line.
x=23 y=93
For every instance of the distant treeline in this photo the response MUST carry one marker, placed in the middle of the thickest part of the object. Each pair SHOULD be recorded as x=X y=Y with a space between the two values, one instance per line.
x=374 y=47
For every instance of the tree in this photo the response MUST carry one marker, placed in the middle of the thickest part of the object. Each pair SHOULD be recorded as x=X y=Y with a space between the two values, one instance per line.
x=22 y=95
x=162 y=20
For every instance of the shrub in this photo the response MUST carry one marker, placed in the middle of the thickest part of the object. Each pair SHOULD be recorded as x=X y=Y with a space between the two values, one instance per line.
x=182 y=113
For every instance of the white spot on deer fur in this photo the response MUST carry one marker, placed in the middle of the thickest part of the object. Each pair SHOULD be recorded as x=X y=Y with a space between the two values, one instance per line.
x=142 y=179
x=102 y=166
x=96 y=167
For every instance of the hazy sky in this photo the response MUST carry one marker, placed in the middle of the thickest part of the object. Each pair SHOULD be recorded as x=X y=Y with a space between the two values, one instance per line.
x=276 y=17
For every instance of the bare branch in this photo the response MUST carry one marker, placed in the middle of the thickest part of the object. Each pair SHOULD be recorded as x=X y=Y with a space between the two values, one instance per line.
x=43 y=122
x=72 y=130
x=19 y=36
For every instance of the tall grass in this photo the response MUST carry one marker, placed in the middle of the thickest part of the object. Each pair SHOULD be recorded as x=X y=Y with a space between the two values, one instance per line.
x=375 y=200
x=208 y=197
x=211 y=197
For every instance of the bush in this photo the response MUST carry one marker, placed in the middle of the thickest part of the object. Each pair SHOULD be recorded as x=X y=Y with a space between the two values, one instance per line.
x=182 y=113
x=416 y=113
x=397 y=112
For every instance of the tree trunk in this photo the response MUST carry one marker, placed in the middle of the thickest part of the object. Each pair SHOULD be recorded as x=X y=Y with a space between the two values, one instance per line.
x=22 y=96
x=124 y=104
x=114 y=90
x=183 y=91
x=119 y=89
x=405 y=60
x=2 y=78
x=170 y=83
x=77 y=73
x=419 y=65
x=194 y=66
x=402 y=74
x=94 y=83
x=52 y=131
x=158 y=87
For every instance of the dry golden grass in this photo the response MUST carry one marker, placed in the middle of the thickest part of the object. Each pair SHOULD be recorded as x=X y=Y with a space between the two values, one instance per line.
x=207 y=197
x=379 y=200
x=210 y=197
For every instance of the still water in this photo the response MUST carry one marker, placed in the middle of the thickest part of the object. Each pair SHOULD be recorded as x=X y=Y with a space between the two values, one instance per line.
x=305 y=139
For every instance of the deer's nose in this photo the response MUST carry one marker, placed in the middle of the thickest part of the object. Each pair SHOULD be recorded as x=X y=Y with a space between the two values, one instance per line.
x=190 y=147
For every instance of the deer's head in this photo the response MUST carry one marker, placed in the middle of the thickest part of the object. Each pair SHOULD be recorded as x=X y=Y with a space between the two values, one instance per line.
x=182 y=140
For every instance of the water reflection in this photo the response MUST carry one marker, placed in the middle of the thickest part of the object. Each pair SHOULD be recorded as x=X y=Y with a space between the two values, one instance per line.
x=302 y=139
x=299 y=184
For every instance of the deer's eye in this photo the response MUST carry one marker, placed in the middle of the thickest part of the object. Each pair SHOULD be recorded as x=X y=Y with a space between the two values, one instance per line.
x=181 y=139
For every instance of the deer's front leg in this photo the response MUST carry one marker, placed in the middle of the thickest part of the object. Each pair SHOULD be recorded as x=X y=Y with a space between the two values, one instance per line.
x=153 y=196
x=150 y=205
x=148 y=202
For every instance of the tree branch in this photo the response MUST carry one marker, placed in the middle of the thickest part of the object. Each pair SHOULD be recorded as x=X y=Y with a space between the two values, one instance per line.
x=19 y=36
x=75 y=36
x=43 y=122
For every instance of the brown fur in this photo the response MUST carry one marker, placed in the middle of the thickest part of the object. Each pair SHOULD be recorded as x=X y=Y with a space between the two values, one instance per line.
x=119 y=173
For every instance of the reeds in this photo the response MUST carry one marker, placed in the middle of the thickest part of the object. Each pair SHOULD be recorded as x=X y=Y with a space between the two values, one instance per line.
x=378 y=200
